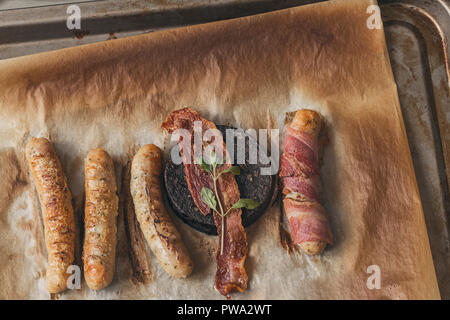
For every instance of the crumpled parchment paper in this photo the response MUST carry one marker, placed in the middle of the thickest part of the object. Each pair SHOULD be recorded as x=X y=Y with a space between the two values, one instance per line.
x=115 y=94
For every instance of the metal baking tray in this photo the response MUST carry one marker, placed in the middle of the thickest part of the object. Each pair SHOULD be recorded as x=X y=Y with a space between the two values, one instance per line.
x=417 y=33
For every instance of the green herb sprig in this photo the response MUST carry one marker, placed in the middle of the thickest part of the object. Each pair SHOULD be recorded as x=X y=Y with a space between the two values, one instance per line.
x=211 y=198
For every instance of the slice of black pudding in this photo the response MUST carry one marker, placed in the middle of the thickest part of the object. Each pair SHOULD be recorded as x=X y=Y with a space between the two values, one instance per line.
x=250 y=182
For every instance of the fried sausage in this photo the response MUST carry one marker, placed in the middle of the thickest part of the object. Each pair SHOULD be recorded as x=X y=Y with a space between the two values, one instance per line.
x=100 y=219
x=57 y=211
x=137 y=247
x=156 y=225
x=311 y=123
x=300 y=176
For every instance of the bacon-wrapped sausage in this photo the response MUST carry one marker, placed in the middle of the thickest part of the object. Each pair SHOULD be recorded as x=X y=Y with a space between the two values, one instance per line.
x=300 y=177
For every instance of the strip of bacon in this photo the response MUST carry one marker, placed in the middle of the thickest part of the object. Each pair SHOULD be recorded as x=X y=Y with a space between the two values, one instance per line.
x=300 y=177
x=231 y=274
x=196 y=177
x=308 y=221
x=292 y=166
x=305 y=190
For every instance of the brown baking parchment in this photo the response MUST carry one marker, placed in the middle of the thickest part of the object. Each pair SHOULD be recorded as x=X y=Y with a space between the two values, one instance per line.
x=115 y=95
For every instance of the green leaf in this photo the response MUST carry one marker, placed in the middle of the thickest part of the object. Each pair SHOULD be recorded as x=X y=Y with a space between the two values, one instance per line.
x=233 y=169
x=246 y=203
x=213 y=158
x=204 y=165
x=208 y=198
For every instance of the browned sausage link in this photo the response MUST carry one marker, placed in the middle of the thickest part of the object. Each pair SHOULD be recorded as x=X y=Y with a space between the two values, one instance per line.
x=100 y=219
x=137 y=247
x=57 y=211
x=157 y=227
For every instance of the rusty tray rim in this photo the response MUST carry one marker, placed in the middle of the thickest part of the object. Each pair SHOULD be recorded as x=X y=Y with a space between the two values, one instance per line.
x=432 y=29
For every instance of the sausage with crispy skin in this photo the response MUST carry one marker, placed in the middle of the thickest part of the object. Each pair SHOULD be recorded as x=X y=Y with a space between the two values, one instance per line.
x=57 y=211
x=100 y=219
x=158 y=229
